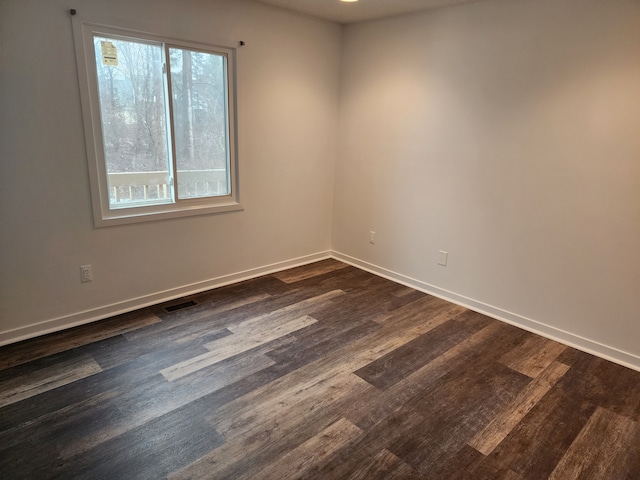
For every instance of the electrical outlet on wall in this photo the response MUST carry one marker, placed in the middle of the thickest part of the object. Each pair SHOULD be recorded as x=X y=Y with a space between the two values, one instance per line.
x=86 y=273
x=372 y=237
x=442 y=258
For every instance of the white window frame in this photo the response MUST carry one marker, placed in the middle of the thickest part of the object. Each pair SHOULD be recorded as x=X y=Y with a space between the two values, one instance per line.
x=84 y=29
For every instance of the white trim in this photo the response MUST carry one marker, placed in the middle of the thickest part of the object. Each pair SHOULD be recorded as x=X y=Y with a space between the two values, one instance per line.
x=106 y=311
x=567 y=338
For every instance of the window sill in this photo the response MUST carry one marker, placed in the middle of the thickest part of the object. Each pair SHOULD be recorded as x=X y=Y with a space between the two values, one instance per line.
x=143 y=214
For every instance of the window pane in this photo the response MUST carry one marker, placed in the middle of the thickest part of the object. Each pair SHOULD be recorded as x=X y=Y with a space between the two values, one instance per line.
x=200 y=120
x=134 y=127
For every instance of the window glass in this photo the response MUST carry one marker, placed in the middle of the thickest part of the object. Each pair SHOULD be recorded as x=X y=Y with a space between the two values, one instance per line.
x=133 y=118
x=199 y=94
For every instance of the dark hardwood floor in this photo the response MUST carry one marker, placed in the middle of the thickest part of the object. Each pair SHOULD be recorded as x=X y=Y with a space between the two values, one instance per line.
x=319 y=372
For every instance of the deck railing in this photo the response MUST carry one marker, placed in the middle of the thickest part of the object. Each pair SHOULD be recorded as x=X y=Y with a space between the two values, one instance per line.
x=125 y=187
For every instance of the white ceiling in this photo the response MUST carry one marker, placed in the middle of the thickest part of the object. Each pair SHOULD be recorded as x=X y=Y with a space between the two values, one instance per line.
x=361 y=10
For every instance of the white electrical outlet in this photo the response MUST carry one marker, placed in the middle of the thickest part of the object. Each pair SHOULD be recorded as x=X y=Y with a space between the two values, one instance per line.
x=442 y=258
x=86 y=273
x=372 y=237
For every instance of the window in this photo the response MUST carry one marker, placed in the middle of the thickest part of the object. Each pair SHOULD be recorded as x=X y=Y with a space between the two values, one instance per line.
x=159 y=124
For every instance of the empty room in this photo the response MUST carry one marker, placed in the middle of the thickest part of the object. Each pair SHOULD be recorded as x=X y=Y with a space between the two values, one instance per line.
x=320 y=239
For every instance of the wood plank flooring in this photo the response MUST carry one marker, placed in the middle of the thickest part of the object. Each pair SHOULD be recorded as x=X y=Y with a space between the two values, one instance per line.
x=319 y=372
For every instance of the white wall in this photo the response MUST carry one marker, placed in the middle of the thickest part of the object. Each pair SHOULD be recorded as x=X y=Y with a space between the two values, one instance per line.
x=507 y=133
x=288 y=86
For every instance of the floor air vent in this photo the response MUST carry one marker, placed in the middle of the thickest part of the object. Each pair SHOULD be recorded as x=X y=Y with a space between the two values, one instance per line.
x=180 y=306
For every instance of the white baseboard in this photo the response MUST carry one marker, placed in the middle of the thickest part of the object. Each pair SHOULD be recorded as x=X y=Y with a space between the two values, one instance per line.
x=80 y=318
x=567 y=338
x=106 y=311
